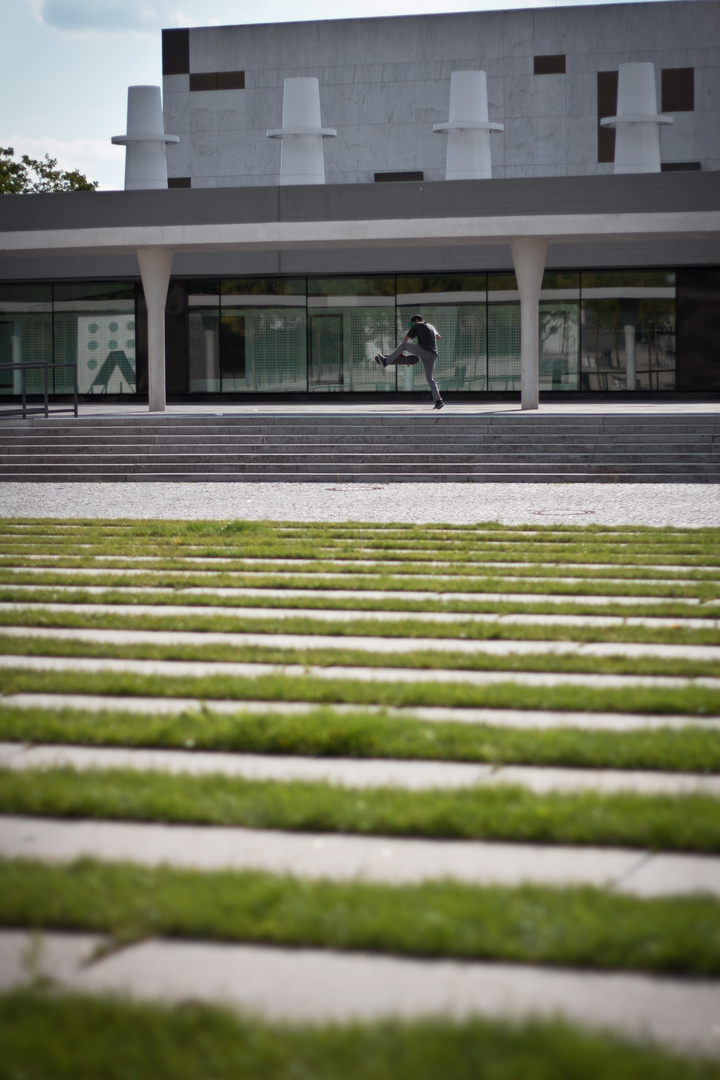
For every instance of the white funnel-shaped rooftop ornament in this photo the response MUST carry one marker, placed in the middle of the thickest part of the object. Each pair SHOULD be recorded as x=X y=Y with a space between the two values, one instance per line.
x=302 y=133
x=637 y=124
x=145 y=162
x=468 y=128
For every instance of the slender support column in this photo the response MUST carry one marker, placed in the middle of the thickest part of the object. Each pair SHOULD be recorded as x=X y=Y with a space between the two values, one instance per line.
x=155 y=266
x=629 y=316
x=529 y=259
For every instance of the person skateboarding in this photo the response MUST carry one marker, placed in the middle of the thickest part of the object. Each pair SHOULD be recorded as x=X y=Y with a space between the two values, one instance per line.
x=420 y=343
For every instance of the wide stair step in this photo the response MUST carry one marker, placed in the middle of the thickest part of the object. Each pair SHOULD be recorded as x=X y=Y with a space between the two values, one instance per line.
x=628 y=448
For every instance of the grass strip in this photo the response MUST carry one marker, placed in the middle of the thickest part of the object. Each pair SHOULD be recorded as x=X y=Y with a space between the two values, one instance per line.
x=685 y=700
x=126 y=594
x=327 y=733
x=575 y=927
x=508 y=813
x=409 y=627
x=338 y=578
x=426 y=660
x=71 y=1037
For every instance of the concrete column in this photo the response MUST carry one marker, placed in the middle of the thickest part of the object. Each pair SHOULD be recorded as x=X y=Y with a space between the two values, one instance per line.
x=629 y=315
x=529 y=259
x=155 y=266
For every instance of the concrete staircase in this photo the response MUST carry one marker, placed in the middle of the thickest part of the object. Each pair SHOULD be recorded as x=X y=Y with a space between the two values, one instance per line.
x=530 y=447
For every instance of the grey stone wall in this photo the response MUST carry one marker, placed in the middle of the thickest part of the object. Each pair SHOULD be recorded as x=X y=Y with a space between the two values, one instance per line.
x=385 y=81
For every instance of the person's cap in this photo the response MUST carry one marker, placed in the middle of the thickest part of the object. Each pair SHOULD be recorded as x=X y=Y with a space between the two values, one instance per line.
x=414 y=317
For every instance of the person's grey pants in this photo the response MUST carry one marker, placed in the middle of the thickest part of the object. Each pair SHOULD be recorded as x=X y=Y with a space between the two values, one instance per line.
x=418 y=353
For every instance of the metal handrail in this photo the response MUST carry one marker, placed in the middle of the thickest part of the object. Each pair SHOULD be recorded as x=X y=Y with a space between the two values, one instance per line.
x=30 y=410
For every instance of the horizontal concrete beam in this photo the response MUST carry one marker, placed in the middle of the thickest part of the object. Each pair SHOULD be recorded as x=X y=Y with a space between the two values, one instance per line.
x=414 y=232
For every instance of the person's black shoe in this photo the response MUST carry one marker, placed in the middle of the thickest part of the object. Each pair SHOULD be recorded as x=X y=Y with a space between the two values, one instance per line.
x=381 y=360
x=438 y=405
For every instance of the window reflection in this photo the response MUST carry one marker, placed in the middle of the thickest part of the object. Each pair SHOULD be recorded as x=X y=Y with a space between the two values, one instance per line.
x=456 y=306
x=25 y=334
x=350 y=320
x=247 y=335
x=628 y=330
x=559 y=331
x=503 y=332
x=94 y=326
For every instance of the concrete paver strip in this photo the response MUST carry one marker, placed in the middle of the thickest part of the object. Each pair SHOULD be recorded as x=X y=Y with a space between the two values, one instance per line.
x=409 y=775
x=130 y=610
x=203 y=669
x=57 y=956
x=507 y=647
x=304 y=568
x=317 y=985
x=513 y=718
x=335 y=857
x=404 y=594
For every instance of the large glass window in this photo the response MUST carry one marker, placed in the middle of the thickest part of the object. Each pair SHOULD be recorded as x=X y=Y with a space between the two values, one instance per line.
x=628 y=330
x=25 y=334
x=503 y=332
x=456 y=306
x=350 y=320
x=94 y=327
x=559 y=331
x=247 y=335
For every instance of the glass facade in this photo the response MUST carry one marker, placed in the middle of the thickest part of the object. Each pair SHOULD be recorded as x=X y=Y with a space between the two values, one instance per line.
x=88 y=326
x=247 y=336
x=628 y=330
x=599 y=331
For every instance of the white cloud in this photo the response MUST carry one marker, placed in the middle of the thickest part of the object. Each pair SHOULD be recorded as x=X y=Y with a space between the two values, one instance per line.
x=102 y=16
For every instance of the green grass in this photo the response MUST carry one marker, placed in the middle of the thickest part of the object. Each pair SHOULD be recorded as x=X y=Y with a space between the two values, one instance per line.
x=171 y=593
x=570 y=927
x=665 y=701
x=327 y=733
x=313 y=623
x=505 y=812
x=68 y=1037
x=428 y=659
x=384 y=579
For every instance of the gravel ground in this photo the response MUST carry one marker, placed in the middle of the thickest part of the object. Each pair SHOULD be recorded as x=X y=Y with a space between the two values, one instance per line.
x=686 y=505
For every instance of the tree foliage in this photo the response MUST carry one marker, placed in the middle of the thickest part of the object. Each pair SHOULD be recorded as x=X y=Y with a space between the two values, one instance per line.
x=30 y=176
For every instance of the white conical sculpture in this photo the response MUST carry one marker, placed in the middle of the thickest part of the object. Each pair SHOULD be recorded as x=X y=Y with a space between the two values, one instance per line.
x=468 y=128
x=302 y=133
x=145 y=162
x=637 y=124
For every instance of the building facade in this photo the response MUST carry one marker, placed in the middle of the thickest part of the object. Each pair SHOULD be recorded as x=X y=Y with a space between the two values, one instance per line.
x=630 y=311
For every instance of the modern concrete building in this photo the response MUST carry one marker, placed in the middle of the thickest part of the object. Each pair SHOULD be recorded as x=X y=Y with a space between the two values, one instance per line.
x=344 y=174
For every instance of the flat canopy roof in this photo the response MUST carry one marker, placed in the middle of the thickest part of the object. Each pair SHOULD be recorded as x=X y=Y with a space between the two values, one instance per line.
x=411 y=214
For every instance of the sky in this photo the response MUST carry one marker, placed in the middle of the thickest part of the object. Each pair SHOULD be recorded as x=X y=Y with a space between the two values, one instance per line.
x=67 y=64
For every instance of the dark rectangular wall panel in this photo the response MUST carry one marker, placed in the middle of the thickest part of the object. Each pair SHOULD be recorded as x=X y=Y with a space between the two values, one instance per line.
x=175 y=52
x=607 y=89
x=698 y=329
x=396 y=177
x=217 y=80
x=549 y=65
x=678 y=89
x=231 y=80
